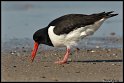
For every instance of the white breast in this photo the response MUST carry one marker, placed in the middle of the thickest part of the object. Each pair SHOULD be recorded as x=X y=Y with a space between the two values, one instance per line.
x=55 y=39
x=73 y=37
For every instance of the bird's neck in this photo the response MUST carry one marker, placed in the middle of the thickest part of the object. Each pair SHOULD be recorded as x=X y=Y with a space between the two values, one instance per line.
x=47 y=38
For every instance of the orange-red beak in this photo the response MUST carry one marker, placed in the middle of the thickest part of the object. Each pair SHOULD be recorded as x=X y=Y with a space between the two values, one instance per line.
x=33 y=54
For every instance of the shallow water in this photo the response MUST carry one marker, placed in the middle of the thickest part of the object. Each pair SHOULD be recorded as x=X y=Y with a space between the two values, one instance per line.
x=26 y=44
x=21 y=19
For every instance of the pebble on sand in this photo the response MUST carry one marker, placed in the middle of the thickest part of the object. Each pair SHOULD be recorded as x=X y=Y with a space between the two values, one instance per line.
x=13 y=52
x=92 y=51
x=97 y=47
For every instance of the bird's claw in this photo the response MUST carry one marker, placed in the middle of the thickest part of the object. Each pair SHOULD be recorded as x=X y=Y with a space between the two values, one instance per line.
x=61 y=62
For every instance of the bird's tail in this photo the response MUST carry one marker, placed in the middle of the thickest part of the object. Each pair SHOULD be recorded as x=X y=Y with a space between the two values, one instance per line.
x=108 y=14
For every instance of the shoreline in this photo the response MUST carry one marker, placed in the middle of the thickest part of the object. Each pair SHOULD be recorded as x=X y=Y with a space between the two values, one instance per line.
x=94 y=65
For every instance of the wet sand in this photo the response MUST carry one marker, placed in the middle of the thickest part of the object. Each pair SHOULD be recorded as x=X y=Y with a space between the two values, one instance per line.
x=86 y=65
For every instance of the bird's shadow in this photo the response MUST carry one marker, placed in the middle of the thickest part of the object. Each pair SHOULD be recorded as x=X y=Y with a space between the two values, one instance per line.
x=117 y=60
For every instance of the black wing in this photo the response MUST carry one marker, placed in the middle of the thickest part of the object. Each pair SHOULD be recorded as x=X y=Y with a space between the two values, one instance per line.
x=67 y=23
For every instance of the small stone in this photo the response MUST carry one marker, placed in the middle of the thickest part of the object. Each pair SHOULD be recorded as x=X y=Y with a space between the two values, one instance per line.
x=94 y=63
x=104 y=80
x=56 y=80
x=114 y=54
x=43 y=77
x=97 y=46
x=12 y=53
x=63 y=66
x=14 y=66
x=77 y=72
x=109 y=50
x=45 y=66
x=113 y=64
x=92 y=51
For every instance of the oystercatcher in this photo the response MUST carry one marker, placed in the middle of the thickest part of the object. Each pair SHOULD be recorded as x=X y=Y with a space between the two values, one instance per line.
x=68 y=30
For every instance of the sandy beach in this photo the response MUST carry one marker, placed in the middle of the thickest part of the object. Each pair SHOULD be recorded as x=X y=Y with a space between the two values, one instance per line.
x=86 y=65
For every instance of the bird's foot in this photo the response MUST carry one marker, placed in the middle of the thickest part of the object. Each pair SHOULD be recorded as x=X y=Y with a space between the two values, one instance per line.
x=61 y=62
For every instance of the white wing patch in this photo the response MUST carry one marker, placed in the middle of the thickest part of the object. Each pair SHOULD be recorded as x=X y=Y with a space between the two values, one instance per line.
x=90 y=29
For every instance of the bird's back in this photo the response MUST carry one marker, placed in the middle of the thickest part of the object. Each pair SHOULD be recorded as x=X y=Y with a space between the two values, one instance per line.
x=67 y=23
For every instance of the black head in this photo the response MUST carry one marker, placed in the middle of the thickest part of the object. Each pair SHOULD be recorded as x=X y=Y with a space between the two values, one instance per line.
x=41 y=37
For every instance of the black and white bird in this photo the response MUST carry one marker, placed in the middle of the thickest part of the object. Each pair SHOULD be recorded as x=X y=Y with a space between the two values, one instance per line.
x=68 y=30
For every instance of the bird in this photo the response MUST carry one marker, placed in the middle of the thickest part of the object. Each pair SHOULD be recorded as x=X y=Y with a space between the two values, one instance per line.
x=68 y=30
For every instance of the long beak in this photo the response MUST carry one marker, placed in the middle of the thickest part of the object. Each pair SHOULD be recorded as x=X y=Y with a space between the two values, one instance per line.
x=33 y=54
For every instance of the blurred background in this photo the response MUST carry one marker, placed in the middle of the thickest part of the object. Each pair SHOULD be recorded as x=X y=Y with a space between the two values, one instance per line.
x=20 y=19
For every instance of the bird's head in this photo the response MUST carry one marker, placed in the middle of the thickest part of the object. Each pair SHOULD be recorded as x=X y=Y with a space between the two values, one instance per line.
x=39 y=38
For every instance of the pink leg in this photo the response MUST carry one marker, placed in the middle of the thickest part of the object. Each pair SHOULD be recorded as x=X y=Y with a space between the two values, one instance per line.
x=65 y=57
